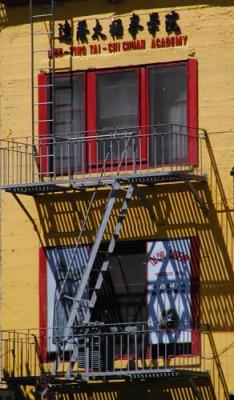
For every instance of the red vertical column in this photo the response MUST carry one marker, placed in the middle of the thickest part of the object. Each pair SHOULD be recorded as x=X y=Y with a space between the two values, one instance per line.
x=193 y=112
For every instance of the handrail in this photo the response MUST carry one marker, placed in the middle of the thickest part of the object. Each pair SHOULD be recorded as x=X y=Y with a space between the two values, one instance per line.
x=111 y=153
x=72 y=259
x=217 y=362
x=219 y=181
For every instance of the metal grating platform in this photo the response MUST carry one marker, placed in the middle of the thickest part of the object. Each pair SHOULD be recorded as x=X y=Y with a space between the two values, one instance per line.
x=142 y=375
x=121 y=376
x=59 y=186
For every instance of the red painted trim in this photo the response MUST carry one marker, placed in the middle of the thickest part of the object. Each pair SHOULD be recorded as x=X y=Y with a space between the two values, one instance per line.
x=195 y=294
x=193 y=112
x=91 y=119
x=43 y=130
x=43 y=303
x=90 y=97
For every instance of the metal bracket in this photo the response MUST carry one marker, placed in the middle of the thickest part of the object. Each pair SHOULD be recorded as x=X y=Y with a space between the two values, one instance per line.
x=146 y=203
x=198 y=198
x=195 y=390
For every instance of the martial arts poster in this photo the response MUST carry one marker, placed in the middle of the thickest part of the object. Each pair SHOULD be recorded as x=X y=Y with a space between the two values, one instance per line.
x=173 y=292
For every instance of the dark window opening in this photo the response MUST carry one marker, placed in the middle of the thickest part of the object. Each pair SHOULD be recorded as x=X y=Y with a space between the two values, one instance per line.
x=123 y=295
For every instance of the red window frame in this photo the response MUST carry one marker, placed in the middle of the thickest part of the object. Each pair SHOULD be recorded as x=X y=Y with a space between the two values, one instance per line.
x=91 y=110
x=92 y=107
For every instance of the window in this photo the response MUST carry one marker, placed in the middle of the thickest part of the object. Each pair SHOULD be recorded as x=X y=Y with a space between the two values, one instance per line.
x=117 y=106
x=156 y=282
x=168 y=106
x=69 y=120
x=156 y=103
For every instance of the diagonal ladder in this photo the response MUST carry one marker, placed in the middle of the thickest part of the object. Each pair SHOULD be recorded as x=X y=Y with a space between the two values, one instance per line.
x=110 y=250
x=78 y=304
x=80 y=310
x=77 y=301
x=89 y=210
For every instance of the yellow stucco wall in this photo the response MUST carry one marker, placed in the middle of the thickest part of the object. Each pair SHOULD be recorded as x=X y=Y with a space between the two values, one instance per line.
x=210 y=32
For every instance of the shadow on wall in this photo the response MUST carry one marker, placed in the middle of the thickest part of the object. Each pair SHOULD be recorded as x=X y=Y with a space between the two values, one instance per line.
x=170 y=211
x=3 y=15
x=161 y=388
x=171 y=390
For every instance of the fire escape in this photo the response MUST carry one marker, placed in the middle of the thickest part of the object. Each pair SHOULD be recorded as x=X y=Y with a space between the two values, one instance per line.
x=87 y=352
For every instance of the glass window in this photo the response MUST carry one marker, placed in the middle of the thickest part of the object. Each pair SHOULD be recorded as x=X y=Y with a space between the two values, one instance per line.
x=168 y=114
x=69 y=123
x=117 y=109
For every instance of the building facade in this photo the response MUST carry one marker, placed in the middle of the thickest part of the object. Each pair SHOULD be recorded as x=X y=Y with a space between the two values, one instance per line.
x=117 y=199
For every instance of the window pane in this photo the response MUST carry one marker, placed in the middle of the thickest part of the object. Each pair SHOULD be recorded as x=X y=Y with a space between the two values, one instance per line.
x=117 y=109
x=69 y=120
x=168 y=108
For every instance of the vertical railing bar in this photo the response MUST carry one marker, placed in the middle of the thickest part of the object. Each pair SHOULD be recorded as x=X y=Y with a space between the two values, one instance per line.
x=142 y=346
x=13 y=164
x=106 y=352
x=8 y=163
x=114 y=347
x=69 y=158
x=63 y=163
x=119 y=150
x=84 y=156
x=99 y=142
x=26 y=161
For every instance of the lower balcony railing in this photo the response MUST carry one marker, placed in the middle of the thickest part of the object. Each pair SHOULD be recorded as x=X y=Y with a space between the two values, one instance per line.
x=102 y=348
x=99 y=351
x=87 y=155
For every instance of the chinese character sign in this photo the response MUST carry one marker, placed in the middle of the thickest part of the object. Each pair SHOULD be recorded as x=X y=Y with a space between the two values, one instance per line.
x=117 y=28
x=171 y=24
x=134 y=26
x=65 y=32
x=153 y=23
x=169 y=272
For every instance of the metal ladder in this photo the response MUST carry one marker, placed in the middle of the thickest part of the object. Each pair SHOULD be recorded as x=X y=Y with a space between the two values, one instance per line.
x=78 y=307
x=80 y=310
x=46 y=100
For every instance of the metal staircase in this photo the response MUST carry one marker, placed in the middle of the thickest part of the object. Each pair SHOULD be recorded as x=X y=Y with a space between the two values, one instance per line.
x=80 y=311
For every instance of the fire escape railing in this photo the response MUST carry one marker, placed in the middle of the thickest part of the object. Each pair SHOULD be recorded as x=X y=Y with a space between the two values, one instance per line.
x=81 y=156
x=101 y=349
x=114 y=350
